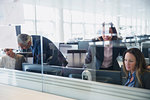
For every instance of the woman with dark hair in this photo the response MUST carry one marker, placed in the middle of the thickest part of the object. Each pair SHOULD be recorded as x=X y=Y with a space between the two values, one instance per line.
x=134 y=66
x=112 y=34
x=107 y=52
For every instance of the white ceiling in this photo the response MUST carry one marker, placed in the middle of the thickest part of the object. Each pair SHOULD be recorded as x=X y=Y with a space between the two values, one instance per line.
x=127 y=8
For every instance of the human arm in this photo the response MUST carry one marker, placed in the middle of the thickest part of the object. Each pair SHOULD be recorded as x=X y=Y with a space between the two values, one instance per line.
x=148 y=67
x=36 y=52
x=88 y=58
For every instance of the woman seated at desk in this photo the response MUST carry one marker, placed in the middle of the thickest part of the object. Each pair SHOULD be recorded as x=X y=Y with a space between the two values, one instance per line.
x=134 y=65
x=106 y=54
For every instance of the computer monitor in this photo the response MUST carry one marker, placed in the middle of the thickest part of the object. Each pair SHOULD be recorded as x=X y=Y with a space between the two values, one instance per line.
x=83 y=45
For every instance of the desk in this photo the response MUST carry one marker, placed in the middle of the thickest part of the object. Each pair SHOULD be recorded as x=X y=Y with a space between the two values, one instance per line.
x=52 y=69
x=14 y=93
x=47 y=69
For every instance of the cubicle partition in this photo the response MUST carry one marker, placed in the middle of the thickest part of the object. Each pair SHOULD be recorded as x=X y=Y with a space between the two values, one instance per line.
x=52 y=69
x=145 y=48
x=105 y=76
x=71 y=88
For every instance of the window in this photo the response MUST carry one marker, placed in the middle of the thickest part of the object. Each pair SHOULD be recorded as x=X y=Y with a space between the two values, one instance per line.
x=43 y=23
x=28 y=27
x=77 y=31
x=77 y=17
x=29 y=16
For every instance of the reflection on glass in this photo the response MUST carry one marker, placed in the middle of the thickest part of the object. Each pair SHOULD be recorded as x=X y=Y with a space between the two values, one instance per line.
x=77 y=16
x=89 y=29
x=45 y=13
x=76 y=25
x=28 y=27
x=29 y=11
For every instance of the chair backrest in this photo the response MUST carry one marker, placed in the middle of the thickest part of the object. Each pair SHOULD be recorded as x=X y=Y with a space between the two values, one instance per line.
x=145 y=48
x=83 y=45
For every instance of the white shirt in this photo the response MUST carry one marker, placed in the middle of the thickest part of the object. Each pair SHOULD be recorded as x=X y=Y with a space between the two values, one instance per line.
x=8 y=62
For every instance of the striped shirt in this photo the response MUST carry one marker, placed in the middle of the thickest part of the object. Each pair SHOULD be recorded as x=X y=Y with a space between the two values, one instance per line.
x=128 y=83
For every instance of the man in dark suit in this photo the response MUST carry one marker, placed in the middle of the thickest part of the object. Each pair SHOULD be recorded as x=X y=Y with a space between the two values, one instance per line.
x=51 y=55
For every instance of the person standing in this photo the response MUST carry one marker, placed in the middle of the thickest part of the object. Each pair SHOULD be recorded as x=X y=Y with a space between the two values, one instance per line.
x=107 y=53
x=51 y=55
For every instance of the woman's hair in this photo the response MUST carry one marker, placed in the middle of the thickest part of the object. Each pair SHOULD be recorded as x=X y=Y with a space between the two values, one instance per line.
x=114 y=32
x=113 y=37
x=140 y=66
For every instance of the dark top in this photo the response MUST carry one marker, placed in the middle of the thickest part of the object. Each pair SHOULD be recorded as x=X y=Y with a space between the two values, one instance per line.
x=145 y=79
x=19 y=60
x=117 y=49
x=51 y=55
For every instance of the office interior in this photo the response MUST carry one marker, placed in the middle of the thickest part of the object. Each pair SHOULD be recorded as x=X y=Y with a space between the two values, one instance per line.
x=71 y=25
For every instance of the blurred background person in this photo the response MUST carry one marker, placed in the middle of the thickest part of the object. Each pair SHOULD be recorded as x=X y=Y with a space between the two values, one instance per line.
x=12 y=60
x=134 y=66
x=107 y=53
x=112 y=30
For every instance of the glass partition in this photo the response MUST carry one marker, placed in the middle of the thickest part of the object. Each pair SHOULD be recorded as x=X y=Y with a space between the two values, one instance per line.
x=68 y=35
